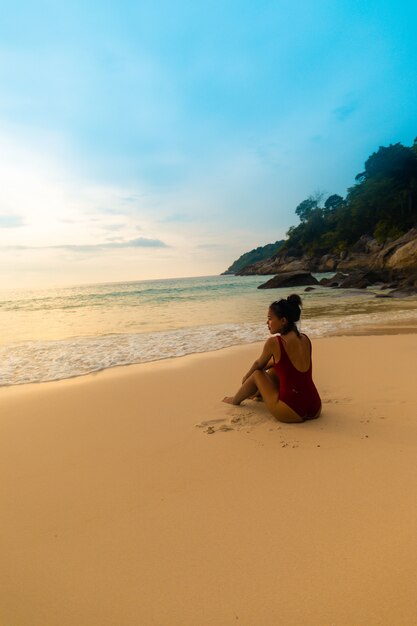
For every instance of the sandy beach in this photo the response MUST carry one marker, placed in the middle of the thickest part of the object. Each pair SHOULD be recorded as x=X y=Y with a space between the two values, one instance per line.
x=119 y=508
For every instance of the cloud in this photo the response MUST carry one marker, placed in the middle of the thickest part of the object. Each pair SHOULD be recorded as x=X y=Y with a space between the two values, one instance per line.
x=57 y=206
x=140 y=242
x=143 y=242
x=134 y=198
x=343 y=112
x=11 y=221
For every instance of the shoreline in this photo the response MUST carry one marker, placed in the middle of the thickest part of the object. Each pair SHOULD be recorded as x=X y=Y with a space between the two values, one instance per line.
x=135 y=495
x=371 y=329
x=85 y=330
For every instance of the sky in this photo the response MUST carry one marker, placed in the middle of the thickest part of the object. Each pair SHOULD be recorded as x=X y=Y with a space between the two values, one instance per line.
x=165 y=139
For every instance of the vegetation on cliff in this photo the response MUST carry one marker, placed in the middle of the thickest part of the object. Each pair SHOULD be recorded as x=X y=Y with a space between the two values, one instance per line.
x=381 y=204
x=258 y=254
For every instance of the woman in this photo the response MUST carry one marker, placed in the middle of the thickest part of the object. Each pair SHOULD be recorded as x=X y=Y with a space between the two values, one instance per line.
x=287 y=388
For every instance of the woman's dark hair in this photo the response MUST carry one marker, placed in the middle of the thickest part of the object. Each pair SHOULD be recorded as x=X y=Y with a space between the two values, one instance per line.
x=290 y=308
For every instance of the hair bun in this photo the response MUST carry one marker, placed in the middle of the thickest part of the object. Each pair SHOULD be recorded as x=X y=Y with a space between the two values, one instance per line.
x=295 y=304
x=294 y=298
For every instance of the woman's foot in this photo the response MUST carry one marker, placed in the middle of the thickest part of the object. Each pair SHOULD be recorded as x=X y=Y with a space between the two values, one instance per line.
x=228 y=400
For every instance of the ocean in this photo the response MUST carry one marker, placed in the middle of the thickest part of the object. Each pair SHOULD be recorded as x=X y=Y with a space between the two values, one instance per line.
x=52 y=334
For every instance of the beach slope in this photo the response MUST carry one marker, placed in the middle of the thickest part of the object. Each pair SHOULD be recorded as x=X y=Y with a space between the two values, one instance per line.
x=134 y=496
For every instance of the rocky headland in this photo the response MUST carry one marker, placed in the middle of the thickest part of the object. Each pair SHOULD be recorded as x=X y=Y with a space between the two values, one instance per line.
x=391 y=265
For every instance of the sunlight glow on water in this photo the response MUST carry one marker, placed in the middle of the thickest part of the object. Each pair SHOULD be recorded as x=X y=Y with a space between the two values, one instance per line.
x=54 y=334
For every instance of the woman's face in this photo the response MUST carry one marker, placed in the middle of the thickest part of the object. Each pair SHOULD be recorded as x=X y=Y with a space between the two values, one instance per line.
x=275 y=323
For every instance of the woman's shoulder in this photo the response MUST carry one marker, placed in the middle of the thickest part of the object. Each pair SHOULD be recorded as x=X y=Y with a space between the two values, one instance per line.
x=306 y=341
x=272 y=345
x=272 y=340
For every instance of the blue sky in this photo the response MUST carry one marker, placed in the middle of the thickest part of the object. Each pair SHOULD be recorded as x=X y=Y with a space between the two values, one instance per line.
x=150 y=140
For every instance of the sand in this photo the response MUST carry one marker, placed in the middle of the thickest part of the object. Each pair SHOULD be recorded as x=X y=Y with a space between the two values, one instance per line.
x=118 y=510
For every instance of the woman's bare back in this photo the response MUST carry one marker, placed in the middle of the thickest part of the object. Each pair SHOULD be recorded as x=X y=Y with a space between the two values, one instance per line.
x=298 y=349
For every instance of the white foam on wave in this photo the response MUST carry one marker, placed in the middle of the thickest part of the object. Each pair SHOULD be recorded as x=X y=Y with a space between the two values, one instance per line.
x=321 y=327
x=41 y=361
x=29 y=362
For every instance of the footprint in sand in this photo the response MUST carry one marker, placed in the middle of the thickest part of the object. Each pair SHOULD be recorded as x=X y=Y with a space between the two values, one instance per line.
x=249 y=419
x=210 y=430
x=210 y=426
x=238 y=421
x=209 y=423
x=289 y=444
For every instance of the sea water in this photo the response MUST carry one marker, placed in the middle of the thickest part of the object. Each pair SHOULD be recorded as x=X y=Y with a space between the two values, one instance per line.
x=51 y=334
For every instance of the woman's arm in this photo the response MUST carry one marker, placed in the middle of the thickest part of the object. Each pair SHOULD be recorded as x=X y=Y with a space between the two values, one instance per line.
x=262 y=361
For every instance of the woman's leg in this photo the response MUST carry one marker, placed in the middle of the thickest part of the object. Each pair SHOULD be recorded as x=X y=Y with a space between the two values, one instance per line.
x=269 y=390
x=270 y=394
x=271 y=373
x=247 y=390
x=251 y=386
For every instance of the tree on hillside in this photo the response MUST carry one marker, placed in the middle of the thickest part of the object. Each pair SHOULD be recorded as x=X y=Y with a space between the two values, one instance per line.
x=385 y=197
x=382 y=203
x=305 y=208
x=396 y=161
x=333 y=202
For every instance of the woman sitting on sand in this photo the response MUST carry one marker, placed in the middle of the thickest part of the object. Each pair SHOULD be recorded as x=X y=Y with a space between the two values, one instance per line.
x=287 y=387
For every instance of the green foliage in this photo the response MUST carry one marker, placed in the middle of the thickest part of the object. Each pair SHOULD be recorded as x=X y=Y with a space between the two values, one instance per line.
x=258 y=254
x=333 y=202
x=384 y=231
x=305 y=209
x=382 y=203
x=396 y=162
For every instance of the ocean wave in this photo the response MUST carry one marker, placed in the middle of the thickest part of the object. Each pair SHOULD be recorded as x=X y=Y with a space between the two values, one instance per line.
x=41 y=361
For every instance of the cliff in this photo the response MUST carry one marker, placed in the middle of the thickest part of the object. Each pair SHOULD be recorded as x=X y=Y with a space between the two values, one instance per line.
x=398 y=255
x=258 y=255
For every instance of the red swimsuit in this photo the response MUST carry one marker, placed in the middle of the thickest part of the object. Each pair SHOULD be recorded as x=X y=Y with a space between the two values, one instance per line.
x=296 y=388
